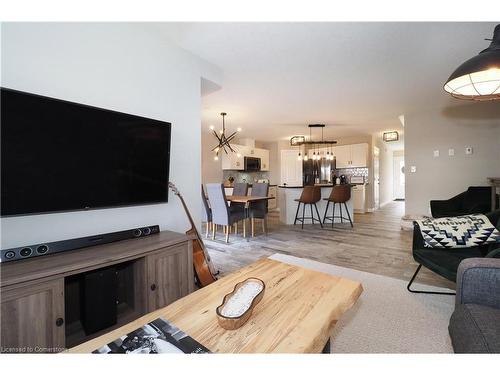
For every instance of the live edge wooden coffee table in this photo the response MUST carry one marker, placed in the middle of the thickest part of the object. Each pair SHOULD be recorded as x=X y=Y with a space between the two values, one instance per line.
x=297 y=314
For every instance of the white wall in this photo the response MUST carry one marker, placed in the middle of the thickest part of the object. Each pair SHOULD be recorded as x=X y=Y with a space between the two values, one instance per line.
x=466 y=124
x=123 y=67
x=211 y=169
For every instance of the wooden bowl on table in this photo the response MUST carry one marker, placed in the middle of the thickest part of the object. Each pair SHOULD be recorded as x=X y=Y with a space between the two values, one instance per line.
x=237 y=306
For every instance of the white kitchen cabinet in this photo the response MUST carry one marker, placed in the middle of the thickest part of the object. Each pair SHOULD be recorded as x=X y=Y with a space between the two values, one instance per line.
x=273 y=203
x=359 y=198
x=359 y=155
x=231 y=161
x=264 y=158
x=343 y=156
x=236 y=160
x=352 y=156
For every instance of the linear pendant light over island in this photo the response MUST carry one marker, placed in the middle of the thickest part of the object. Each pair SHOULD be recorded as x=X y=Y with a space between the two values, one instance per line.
x=301 y=141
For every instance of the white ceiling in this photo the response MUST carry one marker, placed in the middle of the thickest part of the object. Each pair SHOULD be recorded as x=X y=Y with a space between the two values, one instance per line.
x=355 y=77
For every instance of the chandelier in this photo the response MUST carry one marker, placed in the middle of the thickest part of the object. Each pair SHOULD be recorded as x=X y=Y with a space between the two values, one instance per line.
x=223 y=140
x=315 y=145
x=479 y=77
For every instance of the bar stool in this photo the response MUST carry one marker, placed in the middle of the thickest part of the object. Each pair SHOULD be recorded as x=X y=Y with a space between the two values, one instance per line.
x=340 y=194
x=310 y=196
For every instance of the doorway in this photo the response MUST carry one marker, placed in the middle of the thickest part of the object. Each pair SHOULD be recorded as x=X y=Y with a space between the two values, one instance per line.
x=376 y=178
x=399 y=178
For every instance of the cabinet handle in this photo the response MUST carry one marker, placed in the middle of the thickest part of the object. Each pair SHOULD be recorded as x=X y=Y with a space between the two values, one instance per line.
x=59 y=322
x=153 y=286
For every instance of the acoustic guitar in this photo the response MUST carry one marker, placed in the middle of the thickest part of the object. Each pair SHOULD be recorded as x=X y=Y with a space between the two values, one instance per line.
x=203 y=268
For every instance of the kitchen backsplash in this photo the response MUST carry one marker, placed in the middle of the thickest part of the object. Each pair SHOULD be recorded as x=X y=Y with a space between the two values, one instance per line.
x=352 y=172
x=241 y=176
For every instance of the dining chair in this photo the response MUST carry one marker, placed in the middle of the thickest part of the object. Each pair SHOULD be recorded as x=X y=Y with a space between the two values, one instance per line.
x=207 y=211
x=340 y=194
x=240 y=189
x=258 y=210
x=310 y=196
x=222 y=213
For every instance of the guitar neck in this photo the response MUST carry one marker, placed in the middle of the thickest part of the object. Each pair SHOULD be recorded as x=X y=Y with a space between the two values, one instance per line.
x=193 y=227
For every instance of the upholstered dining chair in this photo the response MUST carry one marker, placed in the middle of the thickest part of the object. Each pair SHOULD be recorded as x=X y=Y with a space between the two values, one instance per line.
x=207 y=211
x=240 y=189
x=222 y=213
x=258 y=210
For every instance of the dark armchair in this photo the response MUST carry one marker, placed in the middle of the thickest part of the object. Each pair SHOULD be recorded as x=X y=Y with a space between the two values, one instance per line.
x=476 y=200
x=475 y=324
x=445 y=262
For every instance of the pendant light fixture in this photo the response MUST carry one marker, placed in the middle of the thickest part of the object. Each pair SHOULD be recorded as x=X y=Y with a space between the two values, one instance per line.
x=479 y=77
x=313 y=145
x=223 y=140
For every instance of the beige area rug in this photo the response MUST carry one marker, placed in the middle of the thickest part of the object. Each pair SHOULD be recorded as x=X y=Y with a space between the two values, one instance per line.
x=387 y=318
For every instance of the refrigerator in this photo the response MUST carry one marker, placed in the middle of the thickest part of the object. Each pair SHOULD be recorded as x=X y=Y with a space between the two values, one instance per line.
x=317 y=171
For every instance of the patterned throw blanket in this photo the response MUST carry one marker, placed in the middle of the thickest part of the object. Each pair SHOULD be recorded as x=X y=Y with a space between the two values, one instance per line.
x=458 y=231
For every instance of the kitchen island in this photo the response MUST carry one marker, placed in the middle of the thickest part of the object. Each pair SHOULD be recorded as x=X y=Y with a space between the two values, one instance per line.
x=288 y=205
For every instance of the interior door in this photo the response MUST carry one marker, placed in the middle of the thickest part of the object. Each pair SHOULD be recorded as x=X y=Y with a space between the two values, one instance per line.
x=291 y=168
x=376 y=178
x=399 y=177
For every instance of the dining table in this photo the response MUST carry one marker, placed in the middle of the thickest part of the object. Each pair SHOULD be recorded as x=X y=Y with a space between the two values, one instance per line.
x=246 y=200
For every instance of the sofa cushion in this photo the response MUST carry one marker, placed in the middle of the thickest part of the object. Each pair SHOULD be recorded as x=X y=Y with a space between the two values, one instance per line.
x=477 y=199
x=475 y=329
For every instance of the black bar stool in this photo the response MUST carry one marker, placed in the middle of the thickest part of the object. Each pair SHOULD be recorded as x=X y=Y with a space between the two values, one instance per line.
x=310 y=195
x=340 y=194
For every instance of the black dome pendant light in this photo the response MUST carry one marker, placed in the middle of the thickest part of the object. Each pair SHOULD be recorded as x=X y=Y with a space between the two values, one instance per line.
x=478 y=78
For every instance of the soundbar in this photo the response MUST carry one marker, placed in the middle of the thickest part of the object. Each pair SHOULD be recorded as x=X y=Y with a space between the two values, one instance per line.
x=41 y=249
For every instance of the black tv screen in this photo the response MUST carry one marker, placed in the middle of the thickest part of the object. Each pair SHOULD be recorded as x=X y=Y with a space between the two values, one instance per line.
x=63 y=156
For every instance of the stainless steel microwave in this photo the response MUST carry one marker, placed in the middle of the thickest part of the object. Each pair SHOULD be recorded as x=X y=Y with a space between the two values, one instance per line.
x=252 y=164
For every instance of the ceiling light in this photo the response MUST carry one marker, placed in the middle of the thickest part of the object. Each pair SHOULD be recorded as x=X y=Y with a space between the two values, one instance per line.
x=391 y=136
x=300 y=140
x=479 y=77
x=223 y=140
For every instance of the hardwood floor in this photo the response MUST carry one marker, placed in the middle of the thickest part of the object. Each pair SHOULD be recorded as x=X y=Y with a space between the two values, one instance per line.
x=376 y=244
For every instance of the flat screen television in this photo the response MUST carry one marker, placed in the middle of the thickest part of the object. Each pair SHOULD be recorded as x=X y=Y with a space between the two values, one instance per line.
x=63 y=156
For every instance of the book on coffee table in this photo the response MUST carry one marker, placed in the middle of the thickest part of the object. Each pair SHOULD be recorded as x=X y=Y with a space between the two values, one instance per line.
x=158 y=336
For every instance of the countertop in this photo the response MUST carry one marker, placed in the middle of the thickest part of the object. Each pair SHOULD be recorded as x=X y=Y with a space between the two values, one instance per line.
x=320 y=185
x=249 y=185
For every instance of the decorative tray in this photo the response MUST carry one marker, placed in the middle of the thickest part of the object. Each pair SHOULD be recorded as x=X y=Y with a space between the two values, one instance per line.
x=237 y=306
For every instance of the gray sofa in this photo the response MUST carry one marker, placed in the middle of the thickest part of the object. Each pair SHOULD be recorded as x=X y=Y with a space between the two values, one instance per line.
x=475 y=324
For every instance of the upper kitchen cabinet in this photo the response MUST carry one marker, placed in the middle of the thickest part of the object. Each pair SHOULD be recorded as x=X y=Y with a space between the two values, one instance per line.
x=264 y=158
x=342 y=156
x=233 y=161
x=351 y=156
x=236 y=160
x=359 y=155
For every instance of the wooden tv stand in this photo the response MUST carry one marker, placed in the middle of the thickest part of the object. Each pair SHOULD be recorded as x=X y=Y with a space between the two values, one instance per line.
x=39 y=296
